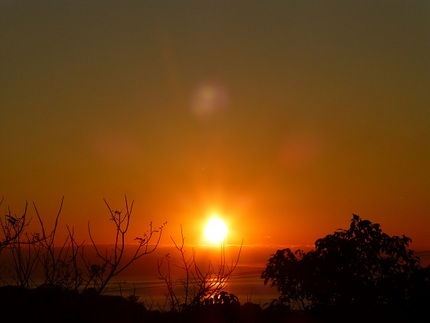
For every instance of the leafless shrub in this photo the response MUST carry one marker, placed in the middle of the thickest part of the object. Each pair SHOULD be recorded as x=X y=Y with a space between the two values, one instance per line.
x=63 y=268
x=114 y=262
x=12 y=226
x=35 y=252
x=64 y=264
x=57 y=262
x=24 y=250
x=199 y=286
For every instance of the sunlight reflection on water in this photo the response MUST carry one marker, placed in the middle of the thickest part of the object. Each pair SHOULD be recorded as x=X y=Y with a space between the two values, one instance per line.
x=247 y=286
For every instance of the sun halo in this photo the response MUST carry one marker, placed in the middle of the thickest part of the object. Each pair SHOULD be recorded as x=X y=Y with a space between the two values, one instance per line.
x=216 y=230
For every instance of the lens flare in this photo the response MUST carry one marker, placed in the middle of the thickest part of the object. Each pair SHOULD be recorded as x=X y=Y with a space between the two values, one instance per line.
x=209 y=99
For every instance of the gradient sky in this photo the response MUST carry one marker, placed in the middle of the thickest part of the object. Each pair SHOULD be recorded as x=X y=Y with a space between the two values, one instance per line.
x=284 y=116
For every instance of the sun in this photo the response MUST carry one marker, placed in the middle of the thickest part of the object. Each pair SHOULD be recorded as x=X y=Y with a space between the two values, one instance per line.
x=216 y=230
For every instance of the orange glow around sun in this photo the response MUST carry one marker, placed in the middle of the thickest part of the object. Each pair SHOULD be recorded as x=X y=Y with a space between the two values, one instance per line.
x=215 y=230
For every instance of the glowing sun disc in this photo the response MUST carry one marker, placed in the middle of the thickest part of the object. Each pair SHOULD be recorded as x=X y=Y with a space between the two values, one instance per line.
x=216 y=230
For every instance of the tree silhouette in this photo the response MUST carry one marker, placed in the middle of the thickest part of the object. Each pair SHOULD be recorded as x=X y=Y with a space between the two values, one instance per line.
x=360 y=269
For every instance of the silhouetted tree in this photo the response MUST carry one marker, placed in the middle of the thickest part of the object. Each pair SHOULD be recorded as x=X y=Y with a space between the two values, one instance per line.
x=360 y=269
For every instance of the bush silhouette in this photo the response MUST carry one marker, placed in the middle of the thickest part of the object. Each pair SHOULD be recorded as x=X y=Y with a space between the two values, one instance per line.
x=360 y=270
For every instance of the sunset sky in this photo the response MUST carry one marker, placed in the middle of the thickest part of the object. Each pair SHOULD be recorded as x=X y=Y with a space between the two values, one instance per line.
x=284 y=117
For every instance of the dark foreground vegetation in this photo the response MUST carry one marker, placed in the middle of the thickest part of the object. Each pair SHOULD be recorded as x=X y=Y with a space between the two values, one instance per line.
x=358 y=273
x=353 y=275
x=53 y=305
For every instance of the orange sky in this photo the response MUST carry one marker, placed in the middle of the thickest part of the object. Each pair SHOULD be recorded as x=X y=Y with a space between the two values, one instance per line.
x=284 y=117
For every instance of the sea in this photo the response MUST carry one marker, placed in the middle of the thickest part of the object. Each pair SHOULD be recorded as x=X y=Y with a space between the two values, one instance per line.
x=246 y=284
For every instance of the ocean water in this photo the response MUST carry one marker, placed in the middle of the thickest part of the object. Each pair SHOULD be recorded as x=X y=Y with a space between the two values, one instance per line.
x=246 y=285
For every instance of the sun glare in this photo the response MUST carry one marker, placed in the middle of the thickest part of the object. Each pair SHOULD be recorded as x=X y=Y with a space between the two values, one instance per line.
x=216 y=230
